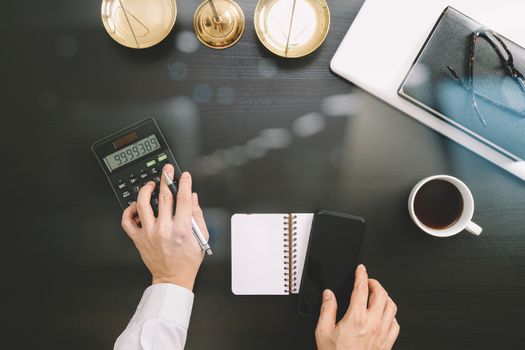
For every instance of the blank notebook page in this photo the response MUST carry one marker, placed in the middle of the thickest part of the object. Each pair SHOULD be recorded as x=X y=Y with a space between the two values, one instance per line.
x=259 y=253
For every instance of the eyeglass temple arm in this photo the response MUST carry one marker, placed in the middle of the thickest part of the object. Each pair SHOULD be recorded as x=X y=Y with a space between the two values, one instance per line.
x=465 y=86
x=508 y=63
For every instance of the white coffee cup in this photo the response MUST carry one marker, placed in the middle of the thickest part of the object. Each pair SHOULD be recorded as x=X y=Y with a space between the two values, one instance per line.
x=464 y=222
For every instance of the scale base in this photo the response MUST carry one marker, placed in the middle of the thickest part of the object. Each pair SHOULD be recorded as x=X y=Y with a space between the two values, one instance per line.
x=222 y=32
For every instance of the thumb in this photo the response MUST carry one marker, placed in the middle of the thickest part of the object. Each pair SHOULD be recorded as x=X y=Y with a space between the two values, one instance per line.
x=326 y=321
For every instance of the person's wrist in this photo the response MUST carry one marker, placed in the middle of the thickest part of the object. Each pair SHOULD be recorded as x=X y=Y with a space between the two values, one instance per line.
x=181 y=282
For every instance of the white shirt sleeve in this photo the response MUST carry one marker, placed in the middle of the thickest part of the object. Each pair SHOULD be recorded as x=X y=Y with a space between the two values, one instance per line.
x=160 y=321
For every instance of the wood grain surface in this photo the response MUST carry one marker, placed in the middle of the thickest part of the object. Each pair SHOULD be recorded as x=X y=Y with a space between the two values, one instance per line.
x=260 y=134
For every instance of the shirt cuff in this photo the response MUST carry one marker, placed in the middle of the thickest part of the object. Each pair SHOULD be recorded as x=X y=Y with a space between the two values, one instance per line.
x=168 y=302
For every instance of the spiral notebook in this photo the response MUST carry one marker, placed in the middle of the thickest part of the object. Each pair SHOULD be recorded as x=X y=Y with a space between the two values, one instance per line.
x=268 y=252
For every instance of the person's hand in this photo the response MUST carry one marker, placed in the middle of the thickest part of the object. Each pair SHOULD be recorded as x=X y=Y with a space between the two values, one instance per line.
x=166 y=243
x=369 y=322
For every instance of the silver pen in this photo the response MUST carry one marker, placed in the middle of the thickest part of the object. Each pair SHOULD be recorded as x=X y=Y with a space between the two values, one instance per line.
x=195 y=228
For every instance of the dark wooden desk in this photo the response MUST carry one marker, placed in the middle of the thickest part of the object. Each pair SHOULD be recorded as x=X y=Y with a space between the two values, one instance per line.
x=74 y=278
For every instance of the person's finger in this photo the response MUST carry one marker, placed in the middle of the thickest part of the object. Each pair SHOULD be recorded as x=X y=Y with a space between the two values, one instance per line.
x=184 y=206
x=359 y=297
x=128 y=221
x=144 y=209
x=378 y=297
x=328 y=313
x=165 y=196
x=198 y=215
x=392 y=335
x=389 y=313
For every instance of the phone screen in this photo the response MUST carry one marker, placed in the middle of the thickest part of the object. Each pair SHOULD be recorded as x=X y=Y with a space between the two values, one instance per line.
x=333 y=256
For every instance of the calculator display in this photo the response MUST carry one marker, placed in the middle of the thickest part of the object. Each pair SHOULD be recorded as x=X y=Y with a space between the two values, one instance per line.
x=132 y=152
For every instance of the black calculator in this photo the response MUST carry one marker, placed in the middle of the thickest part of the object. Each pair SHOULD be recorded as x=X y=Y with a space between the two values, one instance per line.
x=132 y=157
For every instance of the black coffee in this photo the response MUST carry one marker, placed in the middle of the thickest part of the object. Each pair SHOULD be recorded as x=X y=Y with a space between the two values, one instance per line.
x=438 y=204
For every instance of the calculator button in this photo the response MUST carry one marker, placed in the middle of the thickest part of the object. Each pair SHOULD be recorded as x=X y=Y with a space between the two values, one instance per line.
x=136 y=189
x=143 y=175
x=156 y=179
x=126 y=194
x=151 y=163
x=133 y=179
x=154 y=202
x=121 y=185
x=162 y=157
x=154 y=170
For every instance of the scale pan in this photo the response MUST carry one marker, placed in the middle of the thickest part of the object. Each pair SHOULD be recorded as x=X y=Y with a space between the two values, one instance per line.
x=138 y=23
x=292 y=28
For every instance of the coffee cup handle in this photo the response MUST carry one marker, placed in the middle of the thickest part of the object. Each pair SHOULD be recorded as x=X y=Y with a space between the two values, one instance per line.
x=474 y=228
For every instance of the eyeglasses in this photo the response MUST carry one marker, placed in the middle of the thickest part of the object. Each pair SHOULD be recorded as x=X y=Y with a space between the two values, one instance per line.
x=507 y=61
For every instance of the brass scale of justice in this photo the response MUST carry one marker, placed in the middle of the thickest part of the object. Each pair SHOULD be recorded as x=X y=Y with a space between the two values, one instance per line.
x=288 y=28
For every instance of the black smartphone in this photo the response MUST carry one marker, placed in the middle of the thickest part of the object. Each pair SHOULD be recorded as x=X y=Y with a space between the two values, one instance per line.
x=332 y=258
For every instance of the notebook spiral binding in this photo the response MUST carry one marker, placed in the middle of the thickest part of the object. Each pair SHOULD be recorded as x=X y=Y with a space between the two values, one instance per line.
x=290 y=253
